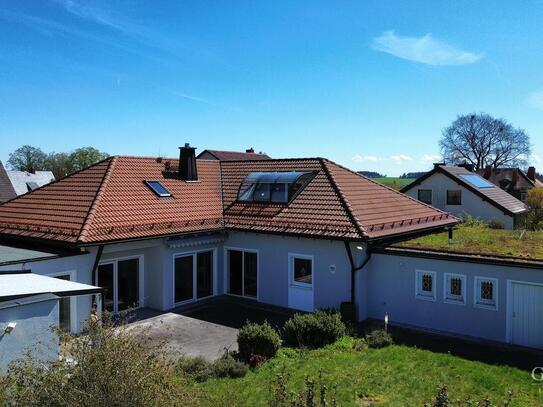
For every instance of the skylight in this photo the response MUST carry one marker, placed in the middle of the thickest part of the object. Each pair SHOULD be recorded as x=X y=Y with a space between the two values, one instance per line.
x=159 y=189
x=476 y=180
x=32 y=185
x=276 y=187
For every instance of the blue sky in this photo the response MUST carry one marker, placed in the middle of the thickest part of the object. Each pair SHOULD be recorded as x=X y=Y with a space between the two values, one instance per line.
x=369 y=84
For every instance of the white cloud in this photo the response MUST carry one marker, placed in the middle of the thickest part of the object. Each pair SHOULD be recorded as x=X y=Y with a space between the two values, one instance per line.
x=400 y=158
x=359 y=158
x=430 y=158
x=425 y=49
x=535 y=158
x=535 y=99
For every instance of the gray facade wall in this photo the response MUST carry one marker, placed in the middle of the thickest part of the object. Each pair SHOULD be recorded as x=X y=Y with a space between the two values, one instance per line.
x=392 y=289
x=471 y=203
x=34 y=317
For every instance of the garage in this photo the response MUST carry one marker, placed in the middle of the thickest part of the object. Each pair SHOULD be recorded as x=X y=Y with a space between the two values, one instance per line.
x=526 y=314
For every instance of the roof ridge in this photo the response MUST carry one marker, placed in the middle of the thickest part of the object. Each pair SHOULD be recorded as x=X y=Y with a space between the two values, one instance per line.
x=97 y=198
x=344 y=202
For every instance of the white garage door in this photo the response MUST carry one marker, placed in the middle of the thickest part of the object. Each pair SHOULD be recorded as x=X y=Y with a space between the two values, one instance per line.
x=527 y=315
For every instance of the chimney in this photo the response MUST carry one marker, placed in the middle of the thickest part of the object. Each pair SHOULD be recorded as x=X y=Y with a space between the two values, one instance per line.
x=531 y=173
x=187 y=163
x=250 y=150
x=488 y=172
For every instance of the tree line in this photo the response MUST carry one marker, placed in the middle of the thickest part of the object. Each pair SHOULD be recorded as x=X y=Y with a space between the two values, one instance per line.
x=31 y=159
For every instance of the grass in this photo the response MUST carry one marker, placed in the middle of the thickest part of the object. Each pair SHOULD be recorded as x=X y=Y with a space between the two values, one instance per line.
x=483 y=240
x=394 y=182
x=392 y=376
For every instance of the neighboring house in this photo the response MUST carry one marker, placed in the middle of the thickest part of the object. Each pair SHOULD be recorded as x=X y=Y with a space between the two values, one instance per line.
x=249 y=154
x=460 y=191
x=14 y=183
x=298 y=233
x=512 y=180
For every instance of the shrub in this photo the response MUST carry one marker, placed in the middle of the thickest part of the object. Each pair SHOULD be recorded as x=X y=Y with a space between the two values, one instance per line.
x=196 y=368
x=313 y=394
x=108 y=366
x=314 y=330
x=471 y=221
x=227 y=366
x=378 y=339
x=258 y=339
x=496 y=224
x=534 y=202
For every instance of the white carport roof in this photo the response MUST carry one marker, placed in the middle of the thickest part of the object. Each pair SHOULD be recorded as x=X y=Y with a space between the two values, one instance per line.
x=19 y=284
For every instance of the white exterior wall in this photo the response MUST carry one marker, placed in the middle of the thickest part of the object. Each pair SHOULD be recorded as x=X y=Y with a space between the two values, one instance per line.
x=471 y=204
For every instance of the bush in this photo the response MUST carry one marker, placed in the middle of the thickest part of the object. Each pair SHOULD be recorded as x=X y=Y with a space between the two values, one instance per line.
x=534 y=202
x=314 y=330
x=227 y=366
x=378 y=339
x=108 y=366
x=496 y=224
x=314 y=393
x=471 y=221
x=258 y=339
x=198 y=368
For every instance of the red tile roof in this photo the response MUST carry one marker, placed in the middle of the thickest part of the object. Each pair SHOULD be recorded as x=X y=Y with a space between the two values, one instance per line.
x=109 y=201
x=235 y=155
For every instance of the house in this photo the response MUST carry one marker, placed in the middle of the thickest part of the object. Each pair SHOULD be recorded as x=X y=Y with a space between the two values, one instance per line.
x=512 y=180
x=460 y=191
x=301 y=233
x=14 y=183
x=249 y=154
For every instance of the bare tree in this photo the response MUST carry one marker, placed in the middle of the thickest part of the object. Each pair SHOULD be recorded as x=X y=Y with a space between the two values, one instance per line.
x=482 y=140
x=27 y=158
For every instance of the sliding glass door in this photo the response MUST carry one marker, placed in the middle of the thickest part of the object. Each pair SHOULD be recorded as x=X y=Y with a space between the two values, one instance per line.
x=242 y=273
x=193 y=276
x=121 y=281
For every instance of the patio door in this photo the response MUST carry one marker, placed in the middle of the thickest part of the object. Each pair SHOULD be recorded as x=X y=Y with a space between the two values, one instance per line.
x=193 y=276
x=121 y=281
x=65 y=307
x=242 y=273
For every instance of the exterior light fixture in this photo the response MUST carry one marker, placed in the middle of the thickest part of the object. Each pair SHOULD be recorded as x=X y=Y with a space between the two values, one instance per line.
x=10 y=327
x=386 y=321
x=361 y=248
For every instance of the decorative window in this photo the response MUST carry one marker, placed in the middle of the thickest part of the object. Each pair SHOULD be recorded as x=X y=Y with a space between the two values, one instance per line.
x=455 y=289
x=275 y=187
x=425 y=196
x=486 y=293
x=301 y=270
x=454 y=197
x=426 y=285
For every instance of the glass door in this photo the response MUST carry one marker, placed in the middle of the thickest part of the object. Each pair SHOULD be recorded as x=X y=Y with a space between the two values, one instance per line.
x=242 y=273
x=204 y=274
x=184 y=281
x=64 y=311
x=121 y=282
x=106 y=281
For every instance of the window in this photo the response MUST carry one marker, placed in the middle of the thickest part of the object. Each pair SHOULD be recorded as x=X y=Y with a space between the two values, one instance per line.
x=275 y=187
x=425 y=196
x=301 y=270
x=455 y=289
x=486 y=293
x=242 y=272
x=523 y=196
x=426 y=285
x=32 y=185
x=454 y=197
x=476 y=180
x=159 y=189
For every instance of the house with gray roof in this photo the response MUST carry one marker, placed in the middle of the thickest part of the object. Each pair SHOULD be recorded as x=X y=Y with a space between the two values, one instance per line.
x=15 y=183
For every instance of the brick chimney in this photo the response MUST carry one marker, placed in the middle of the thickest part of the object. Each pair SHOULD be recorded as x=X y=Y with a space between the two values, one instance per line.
x=187 y=163
x=531 y=173
x=488 y=172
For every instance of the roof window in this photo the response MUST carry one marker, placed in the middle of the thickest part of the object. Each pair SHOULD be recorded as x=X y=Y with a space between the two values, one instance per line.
x=32 y=185
x=276 y=187
x=159 y=189
x=476 y=180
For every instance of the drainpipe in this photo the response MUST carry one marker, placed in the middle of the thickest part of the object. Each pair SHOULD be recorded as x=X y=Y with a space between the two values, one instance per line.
x=96 y=261
x=354 y=269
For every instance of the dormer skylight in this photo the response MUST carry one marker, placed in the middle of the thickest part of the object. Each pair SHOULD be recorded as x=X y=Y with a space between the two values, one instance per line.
x=159 y=189
x=276 y=187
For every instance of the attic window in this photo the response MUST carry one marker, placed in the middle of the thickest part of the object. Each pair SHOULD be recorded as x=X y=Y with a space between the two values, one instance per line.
x=159 y=189
x=276 y=187
x=32 y=185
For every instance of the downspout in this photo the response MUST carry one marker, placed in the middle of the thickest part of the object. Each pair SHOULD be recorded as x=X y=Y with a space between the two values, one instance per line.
x=354 y=269
x=96 y=261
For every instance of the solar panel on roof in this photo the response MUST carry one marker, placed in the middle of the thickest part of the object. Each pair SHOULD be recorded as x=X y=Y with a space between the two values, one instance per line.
x=476 y=180
x=158 y=188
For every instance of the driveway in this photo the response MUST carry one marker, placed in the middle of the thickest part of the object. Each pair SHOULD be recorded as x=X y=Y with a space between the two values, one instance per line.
x=206 y=329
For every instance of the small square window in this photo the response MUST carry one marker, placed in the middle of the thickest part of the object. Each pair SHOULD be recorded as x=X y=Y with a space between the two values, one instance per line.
x=425 y=196
x=455 y=288
x=454 y=197
x=486 y=292
x=302 y=270
x=426 y=285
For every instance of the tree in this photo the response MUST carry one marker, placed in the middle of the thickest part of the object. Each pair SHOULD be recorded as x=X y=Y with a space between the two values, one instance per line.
x=534 y=202
x=60 y=164
x=85 y=156
x=27 y=158
x=482 y=140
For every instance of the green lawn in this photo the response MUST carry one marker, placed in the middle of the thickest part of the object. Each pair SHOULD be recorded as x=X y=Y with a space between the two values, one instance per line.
x=392 y=376
x=483 y=240
x=393 y=182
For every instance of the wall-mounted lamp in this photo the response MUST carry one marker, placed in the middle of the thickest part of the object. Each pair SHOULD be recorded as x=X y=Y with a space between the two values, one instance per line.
x=361 y=248
x=10 y=327
x=386 y=321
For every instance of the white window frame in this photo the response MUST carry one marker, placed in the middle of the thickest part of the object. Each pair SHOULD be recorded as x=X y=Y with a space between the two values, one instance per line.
x=194 y=254
x=421 y=295
x=480 y=303
x=141 y=282
x=447 y=296
x=226 y=281
x=292 y=282
x=73 y=298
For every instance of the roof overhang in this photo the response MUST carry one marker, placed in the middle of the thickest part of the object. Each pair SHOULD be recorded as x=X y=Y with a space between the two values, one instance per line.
x=16 y=251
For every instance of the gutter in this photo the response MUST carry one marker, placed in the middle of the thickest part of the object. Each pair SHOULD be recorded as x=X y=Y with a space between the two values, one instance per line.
x=354 y=269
